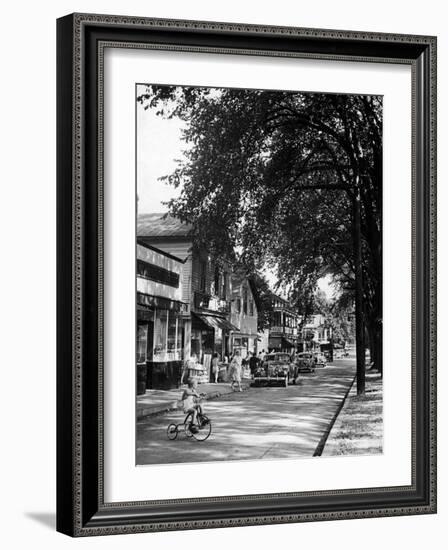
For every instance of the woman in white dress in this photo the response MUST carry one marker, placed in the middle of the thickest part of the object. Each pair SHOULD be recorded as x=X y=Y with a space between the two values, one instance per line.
x=235 y=370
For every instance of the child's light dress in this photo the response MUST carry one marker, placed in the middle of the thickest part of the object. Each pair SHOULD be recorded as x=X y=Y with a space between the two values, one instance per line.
x=188 y=402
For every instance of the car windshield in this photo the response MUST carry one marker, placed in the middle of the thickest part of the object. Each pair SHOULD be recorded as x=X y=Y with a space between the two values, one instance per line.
x=281 y=357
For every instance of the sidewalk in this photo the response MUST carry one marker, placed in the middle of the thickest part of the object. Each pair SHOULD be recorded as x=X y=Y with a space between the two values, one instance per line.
x=154 y=402
x=358 y=429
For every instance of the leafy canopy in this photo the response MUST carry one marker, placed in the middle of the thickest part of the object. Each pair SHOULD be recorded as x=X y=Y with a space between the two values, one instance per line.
x=272 y=174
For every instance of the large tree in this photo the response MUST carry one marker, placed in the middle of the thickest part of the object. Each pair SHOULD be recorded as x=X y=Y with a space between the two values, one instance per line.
x=275 y=176
x=263 y=299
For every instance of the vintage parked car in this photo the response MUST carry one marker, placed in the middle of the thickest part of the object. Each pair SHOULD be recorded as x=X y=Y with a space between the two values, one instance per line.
x=276 y=370
x=320 y=359
x=340 y=352
x=305 y=362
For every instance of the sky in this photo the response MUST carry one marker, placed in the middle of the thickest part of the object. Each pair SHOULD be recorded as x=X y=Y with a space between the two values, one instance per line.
x=158 y=145
x=326 y=285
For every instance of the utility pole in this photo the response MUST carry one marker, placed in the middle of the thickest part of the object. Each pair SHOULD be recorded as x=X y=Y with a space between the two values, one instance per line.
x=359 y=312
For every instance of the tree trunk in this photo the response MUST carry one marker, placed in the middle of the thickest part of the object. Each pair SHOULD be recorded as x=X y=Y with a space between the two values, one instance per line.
x=374 y=330
x=360 y=345
x=378 y=342
x=372 y=346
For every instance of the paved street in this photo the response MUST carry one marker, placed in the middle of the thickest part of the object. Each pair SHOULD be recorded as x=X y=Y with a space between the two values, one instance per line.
x=258 y=423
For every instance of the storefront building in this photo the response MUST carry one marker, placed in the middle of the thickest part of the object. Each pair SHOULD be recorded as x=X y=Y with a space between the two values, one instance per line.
x=283 y=327
x=211 y=293
x=160 y=342
x=205 y=287
x=316 y=332
x=244 y=316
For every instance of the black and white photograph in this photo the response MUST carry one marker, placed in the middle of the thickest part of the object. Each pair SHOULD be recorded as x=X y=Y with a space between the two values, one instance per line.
x=222 y=242
x=258 y=274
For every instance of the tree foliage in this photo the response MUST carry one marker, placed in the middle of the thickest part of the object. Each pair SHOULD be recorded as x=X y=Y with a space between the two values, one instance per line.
x=263 y=299
x=273 y=174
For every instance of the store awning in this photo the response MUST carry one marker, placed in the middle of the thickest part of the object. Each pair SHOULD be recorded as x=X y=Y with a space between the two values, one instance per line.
x=215 y=322
x=274 y=342
x=210 y=321
x=287 y=343
x=144 y=313
x=147 y=301
x=227 y=325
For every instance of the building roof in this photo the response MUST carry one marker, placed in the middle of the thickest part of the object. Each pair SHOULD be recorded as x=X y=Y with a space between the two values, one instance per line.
x=280 y=299
x=142 y=243
x=161 y=225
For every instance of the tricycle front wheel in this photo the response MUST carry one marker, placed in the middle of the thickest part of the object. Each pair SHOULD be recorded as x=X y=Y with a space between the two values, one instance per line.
x=204 y=428
x=172 y=431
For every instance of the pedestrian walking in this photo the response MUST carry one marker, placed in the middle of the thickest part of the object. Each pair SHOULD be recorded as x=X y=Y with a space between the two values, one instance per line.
x=253 y=364
x=235 y=368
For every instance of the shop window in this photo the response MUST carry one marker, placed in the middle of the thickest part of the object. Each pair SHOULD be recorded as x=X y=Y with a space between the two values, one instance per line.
x=157 y=273
x=179 y=338
x=160 y=335
x=172 y=333
x=142 y=342
x=168 y=341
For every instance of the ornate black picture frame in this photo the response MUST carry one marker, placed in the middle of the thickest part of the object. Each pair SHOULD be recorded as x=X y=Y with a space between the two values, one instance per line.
x=81 y=509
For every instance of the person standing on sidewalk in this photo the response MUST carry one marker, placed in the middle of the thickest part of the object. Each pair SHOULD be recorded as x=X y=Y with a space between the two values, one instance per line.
x=215 y=367
x=188 y=368
x=235 y=370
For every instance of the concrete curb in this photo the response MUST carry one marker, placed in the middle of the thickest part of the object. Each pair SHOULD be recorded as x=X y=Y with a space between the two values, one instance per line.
x=323 y=440
x=154 y=410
